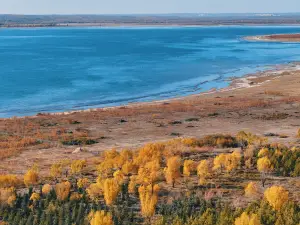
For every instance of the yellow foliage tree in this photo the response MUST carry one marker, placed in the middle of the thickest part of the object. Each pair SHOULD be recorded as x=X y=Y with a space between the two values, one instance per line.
x=77 y=166
x=248 y=156
x=246 y=219
x=83 y=182
x=101 y=218
x=46 y=189
x=251 y=190
x=8 y=180
x=124 y=156
x=129 y=168
x=172 y=171
x=8 y=196
x=264 y=166
x=150 y=152
x=189 y=166
x=232 y=161
x=149 y=173
x=62 y=190
x=56 y=170
x=105 y=168
x=35 y=197
x=132 y=185
x=31 y=177
x=111 y=190
x=263 y=152
x=119 y=176
x=219 y=162
x=203 y=171
x=277 y=196
x=94 y=191
x=148 y=198
x=75 y=196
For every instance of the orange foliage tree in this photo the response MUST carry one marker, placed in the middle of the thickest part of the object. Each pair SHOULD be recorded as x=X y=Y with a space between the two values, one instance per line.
x=251 y=190
x=189 y=166
x=246 y=219
x=148 y=198
x=101 y=218
x=203 y=171
x=31 y=177
x=62 y=190
x=111 y=190
x=264 y=166
x=277 y=196
x=172 y=171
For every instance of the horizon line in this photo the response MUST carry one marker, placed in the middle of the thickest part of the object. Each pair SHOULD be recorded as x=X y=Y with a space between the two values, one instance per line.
x=141 y=14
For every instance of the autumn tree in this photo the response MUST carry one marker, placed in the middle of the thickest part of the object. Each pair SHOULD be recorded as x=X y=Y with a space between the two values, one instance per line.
x=263 y=152
x=277 y=196
x=149 y=173
x=148 y=198
x=111 y=190
x=46 y=189
x=8 y=180
x=106 y=168
x=203 y=171
x=132 y=184
x=248 y=156
x=95 y=191
x=264 y=166
x=189 y=166
x=172 y=171
x=219 y=162
x=150 y=152
x=246 y=219
x=119 y=177
x=8 y=196
x=31 y=177
x=251 y=190
x=35 y=197
x=56 y=170
x=62 y=190
x=77 y=166
x=129 y=168
x=232 y=161
x=101 y=218
x=83 y=182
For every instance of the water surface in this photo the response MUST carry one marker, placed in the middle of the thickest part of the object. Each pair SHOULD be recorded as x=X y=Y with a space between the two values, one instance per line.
x=59 y=69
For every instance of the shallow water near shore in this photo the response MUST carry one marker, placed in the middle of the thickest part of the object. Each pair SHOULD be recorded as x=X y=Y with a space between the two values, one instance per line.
x=62 y=69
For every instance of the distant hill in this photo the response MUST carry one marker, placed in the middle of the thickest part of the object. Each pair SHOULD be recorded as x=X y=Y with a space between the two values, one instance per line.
x=151 y=19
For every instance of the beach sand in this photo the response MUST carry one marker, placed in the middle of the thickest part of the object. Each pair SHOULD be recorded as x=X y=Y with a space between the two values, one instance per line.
x=262 y=103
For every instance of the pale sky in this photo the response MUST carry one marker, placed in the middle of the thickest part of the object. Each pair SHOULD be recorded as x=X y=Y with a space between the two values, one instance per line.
x=145 y=6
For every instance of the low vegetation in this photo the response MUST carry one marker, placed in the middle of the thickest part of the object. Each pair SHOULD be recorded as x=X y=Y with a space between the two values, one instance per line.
x=218 y=179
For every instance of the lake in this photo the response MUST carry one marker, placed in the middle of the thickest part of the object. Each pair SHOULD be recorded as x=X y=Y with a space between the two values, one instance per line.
x=60 y=69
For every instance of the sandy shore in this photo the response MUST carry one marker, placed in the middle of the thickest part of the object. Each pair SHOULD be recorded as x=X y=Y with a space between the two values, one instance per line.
x=275 y=38
x=264 y=103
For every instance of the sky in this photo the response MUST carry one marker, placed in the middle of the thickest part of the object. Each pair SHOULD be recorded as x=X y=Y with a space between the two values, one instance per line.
x=146 y=6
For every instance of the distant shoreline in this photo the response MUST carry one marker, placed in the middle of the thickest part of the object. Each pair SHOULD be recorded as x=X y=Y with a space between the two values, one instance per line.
x=104 y=25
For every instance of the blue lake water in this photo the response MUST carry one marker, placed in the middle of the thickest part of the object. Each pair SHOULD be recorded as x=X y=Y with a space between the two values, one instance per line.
x=59 y=69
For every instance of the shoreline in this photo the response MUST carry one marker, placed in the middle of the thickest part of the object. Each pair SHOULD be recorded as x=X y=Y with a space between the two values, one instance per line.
x=235 y=83
x=288 y=38
x=128 y=25
x=264 y=103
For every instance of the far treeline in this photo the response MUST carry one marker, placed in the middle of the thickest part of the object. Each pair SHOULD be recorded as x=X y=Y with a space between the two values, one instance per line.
x=151 y=19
